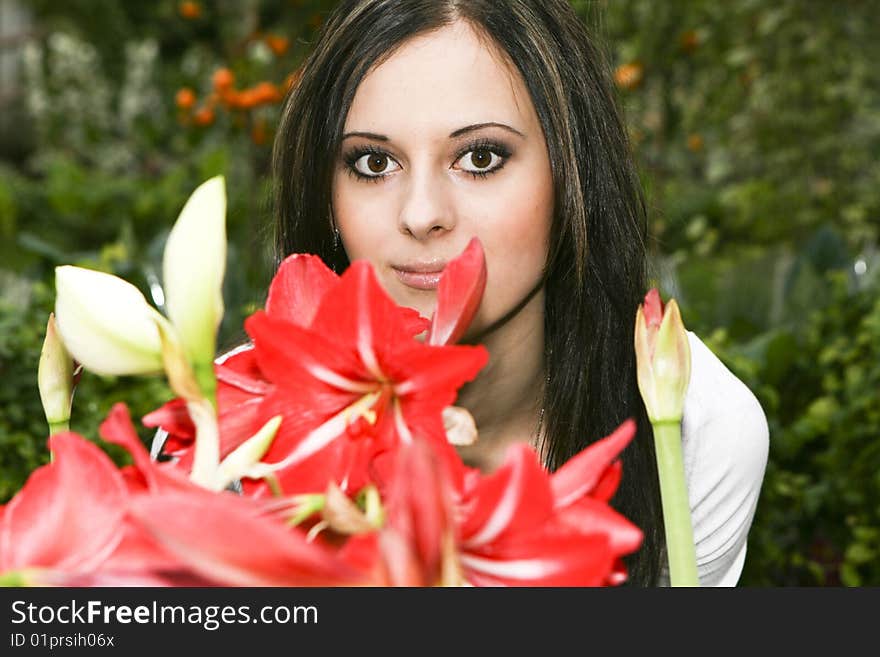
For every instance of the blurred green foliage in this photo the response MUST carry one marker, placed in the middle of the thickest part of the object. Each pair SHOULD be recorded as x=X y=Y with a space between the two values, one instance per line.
x=818 y=520
x=756 y=127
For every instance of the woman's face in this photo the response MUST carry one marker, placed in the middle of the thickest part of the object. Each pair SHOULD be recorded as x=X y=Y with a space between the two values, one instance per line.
x=442 y=144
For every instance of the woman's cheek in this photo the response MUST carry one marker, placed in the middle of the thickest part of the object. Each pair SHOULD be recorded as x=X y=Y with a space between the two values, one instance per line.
x=362 y=236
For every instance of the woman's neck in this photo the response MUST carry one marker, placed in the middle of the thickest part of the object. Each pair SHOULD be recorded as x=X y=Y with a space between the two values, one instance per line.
x=505 y=398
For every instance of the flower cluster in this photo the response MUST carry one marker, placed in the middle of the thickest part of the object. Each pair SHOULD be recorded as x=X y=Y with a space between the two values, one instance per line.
x=226 y=95
x=322 y=452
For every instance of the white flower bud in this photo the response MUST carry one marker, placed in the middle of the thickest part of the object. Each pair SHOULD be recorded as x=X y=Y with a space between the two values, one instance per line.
x=193 y=268
x=106 y=323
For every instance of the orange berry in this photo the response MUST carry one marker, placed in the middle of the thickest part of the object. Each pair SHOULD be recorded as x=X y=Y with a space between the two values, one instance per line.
x=266 y=92
x=695 y=142
x=247 y=99
x=629 y=75
x=315 y=21
x=204 y=116
x=185 y=98
x=277 y=44
x=190 y=10
x=222 y=79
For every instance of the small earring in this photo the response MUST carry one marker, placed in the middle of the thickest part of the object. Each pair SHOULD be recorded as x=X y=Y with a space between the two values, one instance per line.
x=335 y=250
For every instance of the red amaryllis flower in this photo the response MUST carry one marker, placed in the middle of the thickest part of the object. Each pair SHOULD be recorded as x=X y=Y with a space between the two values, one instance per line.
x=523 y=527
x=297 y=288
x=68 y=516
x=354 y=383
x=517 y=527
x=302 y=285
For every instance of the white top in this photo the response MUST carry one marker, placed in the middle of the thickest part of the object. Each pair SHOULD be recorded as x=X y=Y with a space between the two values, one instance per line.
x=725 y=442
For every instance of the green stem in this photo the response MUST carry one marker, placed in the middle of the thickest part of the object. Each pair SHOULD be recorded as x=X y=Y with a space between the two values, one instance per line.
x=676 y=507
x=207 y=380
x=58 y=427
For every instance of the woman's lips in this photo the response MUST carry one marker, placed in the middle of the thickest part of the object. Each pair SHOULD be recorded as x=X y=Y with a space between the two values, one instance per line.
x=424 y=280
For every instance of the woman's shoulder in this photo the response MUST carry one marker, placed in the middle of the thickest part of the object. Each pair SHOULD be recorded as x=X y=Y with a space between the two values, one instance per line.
x=719 y=407
x=725 y=444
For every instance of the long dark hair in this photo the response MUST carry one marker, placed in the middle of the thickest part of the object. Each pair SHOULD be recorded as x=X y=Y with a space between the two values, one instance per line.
x=596 y=271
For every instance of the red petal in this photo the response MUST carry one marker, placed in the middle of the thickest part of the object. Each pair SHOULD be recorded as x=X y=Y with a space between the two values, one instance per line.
x=412 y=323
x=360 y=316
x=459 y=295
x=583 y=472
x=298 y=287
x=301 y=415
x=607 y=485
x=241 y=388
x=589 y=516
x=419 y=505
x=556 y=557
x=68 y=515
x=119 y=578
x=427 y=372
x=236 y=424
x=361 y=552
x=173 y=418
x=513 y=500
x=223 y=538
x=243 y=361
x=118 y=429
x=401 y=561
x=305 y=360
x=309 y=476
x=140 y=552
x=237 y=385
x=429 y=379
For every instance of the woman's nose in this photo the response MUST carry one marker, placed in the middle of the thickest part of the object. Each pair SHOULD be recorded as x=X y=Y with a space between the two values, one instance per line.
x=426 y=211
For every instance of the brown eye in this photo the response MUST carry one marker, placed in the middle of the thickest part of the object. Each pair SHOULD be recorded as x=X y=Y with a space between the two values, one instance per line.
x=481 y=158
x=371 y=164
x=377 y=163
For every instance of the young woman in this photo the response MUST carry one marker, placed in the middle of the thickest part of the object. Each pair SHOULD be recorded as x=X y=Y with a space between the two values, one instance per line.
x=417 y=125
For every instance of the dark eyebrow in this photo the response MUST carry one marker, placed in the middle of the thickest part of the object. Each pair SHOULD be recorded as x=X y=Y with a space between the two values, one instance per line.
x=477 y=126
x=456 y=133
x=368 y=135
